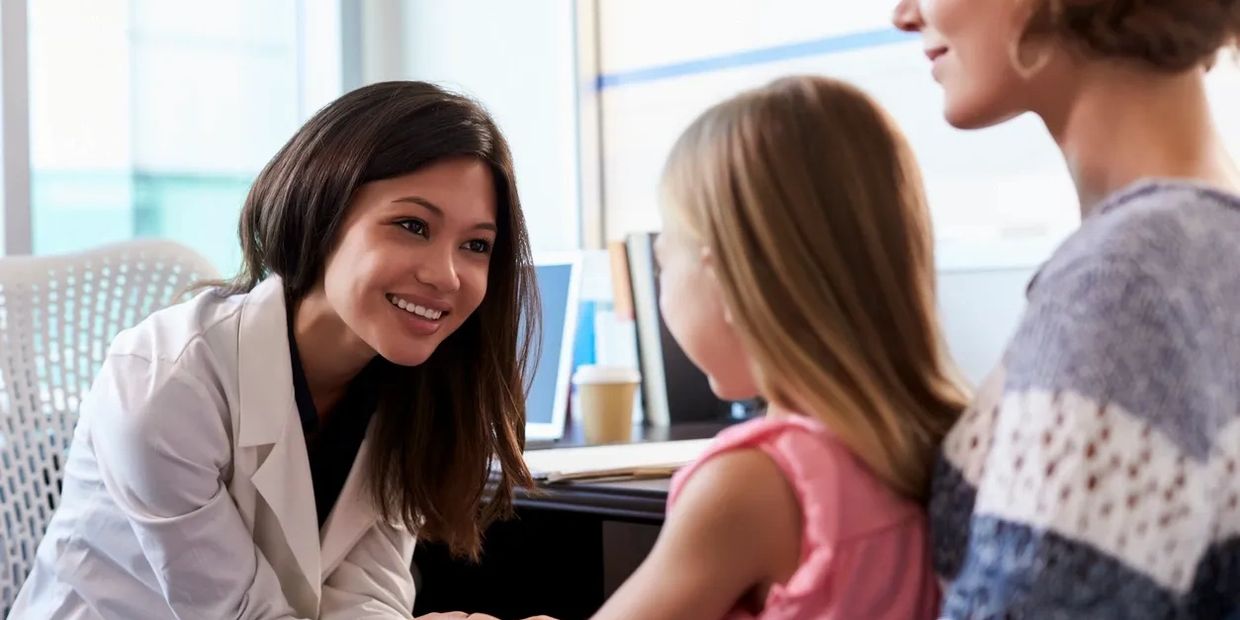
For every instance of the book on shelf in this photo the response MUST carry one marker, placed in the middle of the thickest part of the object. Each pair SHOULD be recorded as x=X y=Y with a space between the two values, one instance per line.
x=673 y=389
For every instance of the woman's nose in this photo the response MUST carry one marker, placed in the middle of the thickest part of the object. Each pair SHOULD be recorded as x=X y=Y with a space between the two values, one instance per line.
x=907 y=16
x=438 y=270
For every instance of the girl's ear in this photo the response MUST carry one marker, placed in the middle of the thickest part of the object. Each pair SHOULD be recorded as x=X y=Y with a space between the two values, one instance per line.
x=707 y=259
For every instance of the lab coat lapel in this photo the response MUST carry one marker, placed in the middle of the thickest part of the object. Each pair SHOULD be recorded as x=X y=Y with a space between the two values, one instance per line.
x=269 y=418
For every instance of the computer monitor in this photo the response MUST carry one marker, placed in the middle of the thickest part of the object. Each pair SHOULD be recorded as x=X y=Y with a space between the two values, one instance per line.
x=546 y=402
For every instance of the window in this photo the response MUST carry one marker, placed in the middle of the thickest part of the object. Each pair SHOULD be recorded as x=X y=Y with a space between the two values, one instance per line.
x=151 y=118
x=1001 y=198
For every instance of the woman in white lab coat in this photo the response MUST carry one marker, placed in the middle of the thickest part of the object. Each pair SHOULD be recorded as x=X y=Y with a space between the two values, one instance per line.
x=271 y=448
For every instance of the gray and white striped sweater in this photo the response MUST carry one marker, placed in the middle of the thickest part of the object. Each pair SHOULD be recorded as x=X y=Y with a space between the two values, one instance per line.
x=1095 y=475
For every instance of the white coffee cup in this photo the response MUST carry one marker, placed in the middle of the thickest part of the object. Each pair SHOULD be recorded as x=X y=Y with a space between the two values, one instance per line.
x=605 y=397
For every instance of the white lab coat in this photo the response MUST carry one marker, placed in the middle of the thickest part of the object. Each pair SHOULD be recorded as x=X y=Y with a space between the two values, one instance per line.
x=187 y=488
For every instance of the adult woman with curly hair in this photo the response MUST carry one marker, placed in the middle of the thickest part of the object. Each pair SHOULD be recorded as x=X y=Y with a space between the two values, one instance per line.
x=1095 y=476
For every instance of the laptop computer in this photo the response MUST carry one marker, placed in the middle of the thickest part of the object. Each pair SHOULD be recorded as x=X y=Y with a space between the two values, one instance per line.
x=546 y=401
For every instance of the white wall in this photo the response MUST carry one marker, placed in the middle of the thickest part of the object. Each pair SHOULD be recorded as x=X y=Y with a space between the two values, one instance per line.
x=980 y=310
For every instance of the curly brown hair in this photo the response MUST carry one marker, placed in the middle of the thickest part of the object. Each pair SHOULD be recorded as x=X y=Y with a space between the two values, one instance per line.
x=1168 y=35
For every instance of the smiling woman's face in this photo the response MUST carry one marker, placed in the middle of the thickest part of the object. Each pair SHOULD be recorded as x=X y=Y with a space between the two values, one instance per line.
x=412 y=258
x=969 y=44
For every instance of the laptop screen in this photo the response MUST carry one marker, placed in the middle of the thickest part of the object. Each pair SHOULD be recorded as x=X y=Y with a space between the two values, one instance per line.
x=547 y=398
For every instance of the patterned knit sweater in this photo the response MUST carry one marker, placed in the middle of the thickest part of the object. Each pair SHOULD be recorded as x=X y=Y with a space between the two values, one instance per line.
x=1095 y=476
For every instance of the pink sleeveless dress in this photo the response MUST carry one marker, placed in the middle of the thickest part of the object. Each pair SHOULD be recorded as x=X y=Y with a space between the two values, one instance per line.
x=865 y=551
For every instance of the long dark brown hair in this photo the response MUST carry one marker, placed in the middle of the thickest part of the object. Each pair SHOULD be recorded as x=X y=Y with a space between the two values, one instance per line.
x=440 y=426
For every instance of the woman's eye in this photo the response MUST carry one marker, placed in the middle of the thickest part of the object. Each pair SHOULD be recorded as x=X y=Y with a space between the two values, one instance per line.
x=478 y=246
x=417 y=227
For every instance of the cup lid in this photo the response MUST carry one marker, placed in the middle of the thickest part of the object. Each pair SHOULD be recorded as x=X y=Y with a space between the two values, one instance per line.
x=606 y=374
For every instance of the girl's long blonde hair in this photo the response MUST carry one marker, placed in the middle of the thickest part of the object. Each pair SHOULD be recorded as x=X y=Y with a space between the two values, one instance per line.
x=810 y=201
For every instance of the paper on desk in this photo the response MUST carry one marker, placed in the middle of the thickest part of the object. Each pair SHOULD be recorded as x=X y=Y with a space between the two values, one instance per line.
x=632 y=460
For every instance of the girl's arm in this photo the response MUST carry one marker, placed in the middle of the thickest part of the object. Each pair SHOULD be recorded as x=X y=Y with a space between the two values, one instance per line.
x=733 y=532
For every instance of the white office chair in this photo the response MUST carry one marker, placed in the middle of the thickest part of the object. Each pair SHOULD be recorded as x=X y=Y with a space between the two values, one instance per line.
x=58 y=315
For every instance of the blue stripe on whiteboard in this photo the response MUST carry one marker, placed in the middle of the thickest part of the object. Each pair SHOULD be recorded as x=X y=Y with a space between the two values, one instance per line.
x=815 y=47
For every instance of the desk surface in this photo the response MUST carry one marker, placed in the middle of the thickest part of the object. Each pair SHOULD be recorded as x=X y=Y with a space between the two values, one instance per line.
x=574 y=437
x=630 y=500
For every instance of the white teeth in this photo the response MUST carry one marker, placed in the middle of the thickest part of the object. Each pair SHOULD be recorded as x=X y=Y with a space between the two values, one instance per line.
x=413 y=308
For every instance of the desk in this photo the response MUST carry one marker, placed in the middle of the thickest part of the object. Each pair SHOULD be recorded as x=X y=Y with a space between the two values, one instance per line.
x=569 y=548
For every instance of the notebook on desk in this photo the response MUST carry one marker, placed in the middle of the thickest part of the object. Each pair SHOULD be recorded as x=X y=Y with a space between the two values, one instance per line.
x=641 y=460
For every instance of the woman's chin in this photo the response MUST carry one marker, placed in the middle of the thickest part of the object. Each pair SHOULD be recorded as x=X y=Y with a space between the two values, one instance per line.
x=725 y=391
x=409 y=355
x=965 y=115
